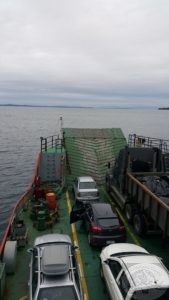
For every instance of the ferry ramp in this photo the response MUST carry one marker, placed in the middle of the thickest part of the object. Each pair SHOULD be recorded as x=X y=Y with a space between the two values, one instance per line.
x=89 y=150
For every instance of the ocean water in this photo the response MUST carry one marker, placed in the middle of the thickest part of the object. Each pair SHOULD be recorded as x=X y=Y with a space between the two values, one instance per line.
x=22 y=127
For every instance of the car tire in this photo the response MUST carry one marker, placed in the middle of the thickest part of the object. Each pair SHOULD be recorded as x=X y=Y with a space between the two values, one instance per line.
x=139 y=224
x=101 y=271
x=77 y=203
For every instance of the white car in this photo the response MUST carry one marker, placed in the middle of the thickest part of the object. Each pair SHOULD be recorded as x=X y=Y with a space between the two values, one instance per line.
x=85 y=189
x=132 y=273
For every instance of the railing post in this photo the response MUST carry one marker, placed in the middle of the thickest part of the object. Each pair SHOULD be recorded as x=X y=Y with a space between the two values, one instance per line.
x=45 y=144
x=41 y=140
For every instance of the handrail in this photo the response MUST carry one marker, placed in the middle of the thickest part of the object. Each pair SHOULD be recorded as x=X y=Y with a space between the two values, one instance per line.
x=52 y=141
x=18 y=204
x=148 y=142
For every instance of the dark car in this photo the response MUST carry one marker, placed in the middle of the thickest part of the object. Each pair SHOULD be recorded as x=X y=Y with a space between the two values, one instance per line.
x=102 y=223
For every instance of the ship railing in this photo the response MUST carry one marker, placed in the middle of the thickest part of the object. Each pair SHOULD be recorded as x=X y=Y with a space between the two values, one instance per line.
x=148 y=142
x=53 y=141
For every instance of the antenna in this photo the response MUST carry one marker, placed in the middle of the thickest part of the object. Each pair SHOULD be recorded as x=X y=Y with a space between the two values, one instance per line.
x=61 y=127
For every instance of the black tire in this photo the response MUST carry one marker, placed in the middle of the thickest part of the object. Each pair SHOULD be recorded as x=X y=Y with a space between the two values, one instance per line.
x=77 y=203
x=139 y=224
x=101 y=272
x=129 y=212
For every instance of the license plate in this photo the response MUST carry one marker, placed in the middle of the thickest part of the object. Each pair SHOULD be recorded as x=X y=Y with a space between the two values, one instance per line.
x=110 y=242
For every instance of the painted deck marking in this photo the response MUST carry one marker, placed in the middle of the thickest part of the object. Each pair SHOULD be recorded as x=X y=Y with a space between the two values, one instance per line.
x=79 y=259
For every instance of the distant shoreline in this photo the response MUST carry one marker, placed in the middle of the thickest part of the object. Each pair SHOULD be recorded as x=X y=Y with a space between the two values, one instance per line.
x=163 y=108
x=57 y=106
x=87 y=107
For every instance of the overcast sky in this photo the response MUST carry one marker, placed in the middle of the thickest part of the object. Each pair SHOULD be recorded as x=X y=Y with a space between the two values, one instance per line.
x=84 y=52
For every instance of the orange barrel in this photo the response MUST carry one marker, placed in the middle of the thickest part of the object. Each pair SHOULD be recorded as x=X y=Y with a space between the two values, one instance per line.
x=51 y=198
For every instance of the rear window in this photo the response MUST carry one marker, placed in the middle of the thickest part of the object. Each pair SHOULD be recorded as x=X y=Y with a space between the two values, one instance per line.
x=58 y=293
x=108 y=222
x=160 y=294
x=87 y=185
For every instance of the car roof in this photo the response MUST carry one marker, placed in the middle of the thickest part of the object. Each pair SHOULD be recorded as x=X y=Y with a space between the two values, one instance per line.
x=103 y=210
x=85 y=178
x=55 y=259
x=146 y=270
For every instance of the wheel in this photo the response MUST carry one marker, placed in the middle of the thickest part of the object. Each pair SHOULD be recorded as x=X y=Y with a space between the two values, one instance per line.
x=101 y=271
x=77 y=203
x=129 y=212
x=139 y=224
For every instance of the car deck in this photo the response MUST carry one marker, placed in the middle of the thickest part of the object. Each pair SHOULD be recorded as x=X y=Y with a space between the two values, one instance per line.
x=93 y=286
x=88 y=257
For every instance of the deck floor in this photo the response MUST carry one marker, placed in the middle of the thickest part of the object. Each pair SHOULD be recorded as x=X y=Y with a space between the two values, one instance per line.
x=17 y=286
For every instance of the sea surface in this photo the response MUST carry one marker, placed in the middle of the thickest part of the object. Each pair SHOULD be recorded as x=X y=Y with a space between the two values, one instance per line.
x=22 y=127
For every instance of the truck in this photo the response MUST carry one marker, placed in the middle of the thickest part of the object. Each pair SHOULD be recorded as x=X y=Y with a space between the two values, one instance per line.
x=138 y=182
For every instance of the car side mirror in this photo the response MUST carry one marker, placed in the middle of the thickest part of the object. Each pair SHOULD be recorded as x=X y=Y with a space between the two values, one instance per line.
x=30 y=250
x=106 y=262
x=76 y=248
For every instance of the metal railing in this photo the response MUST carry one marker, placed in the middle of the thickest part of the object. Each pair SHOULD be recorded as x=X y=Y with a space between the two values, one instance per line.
x=148 y=142
x=53 y=141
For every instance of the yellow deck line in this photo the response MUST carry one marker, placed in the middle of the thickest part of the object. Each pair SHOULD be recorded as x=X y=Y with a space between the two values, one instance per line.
x=132 y=235
x=79 y=259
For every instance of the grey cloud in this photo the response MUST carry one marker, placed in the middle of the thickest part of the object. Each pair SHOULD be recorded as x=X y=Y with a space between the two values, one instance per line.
x=96 y=50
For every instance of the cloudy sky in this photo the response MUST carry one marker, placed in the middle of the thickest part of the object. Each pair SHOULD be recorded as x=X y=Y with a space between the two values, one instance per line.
x=84 y=52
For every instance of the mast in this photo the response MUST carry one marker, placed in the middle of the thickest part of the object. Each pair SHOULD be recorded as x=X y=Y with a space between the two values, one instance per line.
x=61 y=128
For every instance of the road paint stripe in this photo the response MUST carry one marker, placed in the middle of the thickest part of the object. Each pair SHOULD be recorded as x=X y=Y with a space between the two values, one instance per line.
x=79 y=259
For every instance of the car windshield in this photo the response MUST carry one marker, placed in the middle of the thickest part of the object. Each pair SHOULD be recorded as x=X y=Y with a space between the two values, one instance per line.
x=108 y=222
x=87 y=185
x=58 y=293
x=160 y=294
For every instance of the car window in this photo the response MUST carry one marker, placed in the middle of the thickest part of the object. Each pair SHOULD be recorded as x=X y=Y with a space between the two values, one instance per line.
x=123 y=284
x=87 y=185
x=34 y=271
x=115 y=267
x=108 y=222
x=160 y=294
x=57 y=293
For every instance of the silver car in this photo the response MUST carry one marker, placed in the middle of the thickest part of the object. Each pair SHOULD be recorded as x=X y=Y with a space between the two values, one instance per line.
x=85 y=189
x=54 y=273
